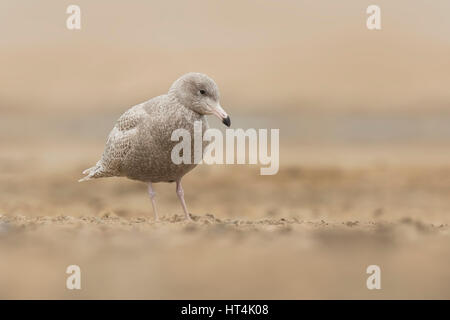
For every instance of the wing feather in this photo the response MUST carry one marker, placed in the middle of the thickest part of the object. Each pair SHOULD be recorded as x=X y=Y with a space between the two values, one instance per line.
x=120 y=140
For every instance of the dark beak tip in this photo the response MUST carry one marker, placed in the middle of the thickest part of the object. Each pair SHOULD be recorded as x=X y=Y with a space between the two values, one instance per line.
x=227 y=121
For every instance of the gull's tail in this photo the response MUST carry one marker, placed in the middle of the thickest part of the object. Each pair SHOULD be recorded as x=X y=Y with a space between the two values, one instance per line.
x=95 y=172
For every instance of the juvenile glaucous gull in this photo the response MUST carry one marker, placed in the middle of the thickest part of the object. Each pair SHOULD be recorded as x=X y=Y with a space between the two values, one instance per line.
x=139 y=146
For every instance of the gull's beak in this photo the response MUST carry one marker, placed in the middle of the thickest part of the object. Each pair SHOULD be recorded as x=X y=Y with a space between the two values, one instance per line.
x=221 y=114
x=227 y=121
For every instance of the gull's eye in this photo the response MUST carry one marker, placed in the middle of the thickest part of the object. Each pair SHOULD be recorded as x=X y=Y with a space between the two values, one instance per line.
x=203 y=92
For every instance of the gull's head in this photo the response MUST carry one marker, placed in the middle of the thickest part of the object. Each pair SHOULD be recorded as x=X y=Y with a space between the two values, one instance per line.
x=199 y=93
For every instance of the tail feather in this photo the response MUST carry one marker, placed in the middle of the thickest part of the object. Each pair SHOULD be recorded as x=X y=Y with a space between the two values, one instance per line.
x=85 y=179
x=94 y=172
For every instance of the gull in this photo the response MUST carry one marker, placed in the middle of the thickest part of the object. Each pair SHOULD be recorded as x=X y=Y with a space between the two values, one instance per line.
x=139 y=146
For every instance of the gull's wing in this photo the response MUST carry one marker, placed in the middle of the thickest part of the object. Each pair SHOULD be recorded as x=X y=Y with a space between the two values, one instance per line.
x=118 y=145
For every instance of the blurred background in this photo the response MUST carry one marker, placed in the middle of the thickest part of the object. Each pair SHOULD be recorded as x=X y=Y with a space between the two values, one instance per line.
x=364 y=119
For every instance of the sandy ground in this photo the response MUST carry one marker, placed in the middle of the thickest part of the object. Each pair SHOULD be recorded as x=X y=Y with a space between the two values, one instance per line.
x=364 y=150
x=308 y=232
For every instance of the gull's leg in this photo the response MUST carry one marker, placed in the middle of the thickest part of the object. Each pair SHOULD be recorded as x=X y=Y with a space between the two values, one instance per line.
x=152 y=195
x=180 y=194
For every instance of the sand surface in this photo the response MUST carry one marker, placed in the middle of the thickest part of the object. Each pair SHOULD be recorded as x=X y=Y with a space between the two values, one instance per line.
x=364 y=176
x=308 y=232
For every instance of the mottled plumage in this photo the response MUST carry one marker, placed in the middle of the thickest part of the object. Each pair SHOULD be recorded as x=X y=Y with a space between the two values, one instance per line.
x=139 y=146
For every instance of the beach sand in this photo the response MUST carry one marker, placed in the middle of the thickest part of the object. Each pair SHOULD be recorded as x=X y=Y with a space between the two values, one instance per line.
x=364 y=175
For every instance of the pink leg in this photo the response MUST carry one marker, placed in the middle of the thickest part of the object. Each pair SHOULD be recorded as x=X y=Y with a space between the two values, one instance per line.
x=152 y=195
x=180 y=194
